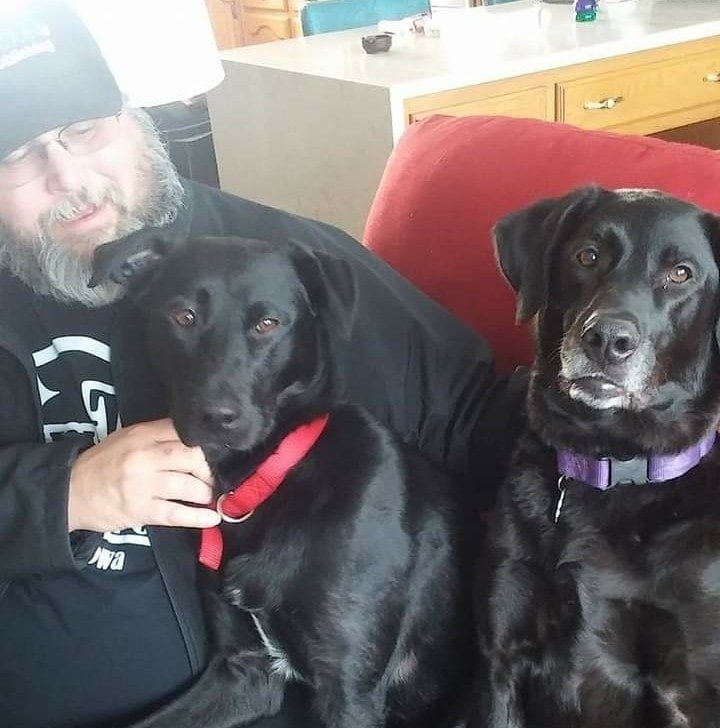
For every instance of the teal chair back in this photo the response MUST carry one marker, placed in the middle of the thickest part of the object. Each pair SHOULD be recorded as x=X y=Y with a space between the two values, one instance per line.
x=325 y=16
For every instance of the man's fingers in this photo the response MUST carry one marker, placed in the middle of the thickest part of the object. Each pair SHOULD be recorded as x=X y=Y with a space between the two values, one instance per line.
x=173 y=456
x=168 y=513
x=183 y=487
x=142 y=474
x=160 y=441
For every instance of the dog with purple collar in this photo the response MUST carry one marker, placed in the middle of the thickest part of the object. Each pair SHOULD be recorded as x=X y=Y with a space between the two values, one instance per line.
x=600 y=600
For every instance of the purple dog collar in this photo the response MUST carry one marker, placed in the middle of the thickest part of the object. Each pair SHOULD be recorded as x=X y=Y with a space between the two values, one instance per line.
x=606 y=473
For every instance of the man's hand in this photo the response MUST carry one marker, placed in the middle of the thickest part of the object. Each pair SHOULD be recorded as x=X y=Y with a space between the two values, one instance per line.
x=135 y=477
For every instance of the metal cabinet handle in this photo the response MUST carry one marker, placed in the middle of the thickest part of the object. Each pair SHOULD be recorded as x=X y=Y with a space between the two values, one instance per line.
x=712 y=78
x=608 y=103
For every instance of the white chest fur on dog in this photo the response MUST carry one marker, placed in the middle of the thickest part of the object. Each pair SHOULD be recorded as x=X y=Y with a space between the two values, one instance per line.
x=280 y=662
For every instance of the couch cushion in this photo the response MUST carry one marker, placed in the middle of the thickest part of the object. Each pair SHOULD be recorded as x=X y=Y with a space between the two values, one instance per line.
x=449 y=179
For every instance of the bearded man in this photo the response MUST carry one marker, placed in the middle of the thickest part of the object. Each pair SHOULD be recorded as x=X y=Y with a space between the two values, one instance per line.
x=100 y=502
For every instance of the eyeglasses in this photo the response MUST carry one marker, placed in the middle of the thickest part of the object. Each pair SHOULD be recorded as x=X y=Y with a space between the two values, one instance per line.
x=82 y=138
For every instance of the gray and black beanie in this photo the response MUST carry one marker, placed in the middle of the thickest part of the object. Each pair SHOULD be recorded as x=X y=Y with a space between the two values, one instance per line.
x=52 y=73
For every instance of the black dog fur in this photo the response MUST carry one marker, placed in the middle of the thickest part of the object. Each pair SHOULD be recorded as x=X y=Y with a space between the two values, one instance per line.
x=609 y=618
x=352 y=567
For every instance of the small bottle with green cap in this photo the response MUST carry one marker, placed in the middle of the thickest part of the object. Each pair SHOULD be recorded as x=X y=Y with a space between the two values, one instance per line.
x=585 y=10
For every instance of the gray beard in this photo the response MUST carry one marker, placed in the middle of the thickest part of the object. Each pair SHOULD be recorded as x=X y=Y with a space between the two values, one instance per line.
x=63 y=271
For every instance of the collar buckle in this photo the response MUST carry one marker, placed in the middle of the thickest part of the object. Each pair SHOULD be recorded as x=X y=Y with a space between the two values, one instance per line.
x=635 y=471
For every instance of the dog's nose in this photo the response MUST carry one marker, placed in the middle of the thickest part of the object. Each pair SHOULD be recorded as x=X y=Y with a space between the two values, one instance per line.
x=220 y=417
x=610 y=339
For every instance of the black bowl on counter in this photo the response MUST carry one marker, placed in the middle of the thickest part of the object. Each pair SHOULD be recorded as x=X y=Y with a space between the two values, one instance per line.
x=377 y=42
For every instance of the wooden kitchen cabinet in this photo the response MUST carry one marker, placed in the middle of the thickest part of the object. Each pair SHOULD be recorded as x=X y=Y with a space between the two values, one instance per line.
x=645 y=93
x=268 y=20
x=263 y=27
x=248 y=22
x=226 y=23
x=641 y=93
x=506 y=98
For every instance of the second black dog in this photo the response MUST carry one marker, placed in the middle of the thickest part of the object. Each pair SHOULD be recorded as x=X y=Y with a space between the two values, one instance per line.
x=604 y=594
x=350 y=570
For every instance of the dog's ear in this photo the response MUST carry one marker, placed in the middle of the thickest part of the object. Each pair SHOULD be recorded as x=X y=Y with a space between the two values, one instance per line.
x=330 y=284
x=524 y=242
x=711 y=223
x=131 y=260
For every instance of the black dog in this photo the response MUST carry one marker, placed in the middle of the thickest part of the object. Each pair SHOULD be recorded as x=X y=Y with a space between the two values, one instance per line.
x=350 y=569
x=604 y=594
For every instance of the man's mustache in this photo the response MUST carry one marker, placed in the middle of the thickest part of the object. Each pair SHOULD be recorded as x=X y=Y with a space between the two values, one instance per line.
x=75 y=203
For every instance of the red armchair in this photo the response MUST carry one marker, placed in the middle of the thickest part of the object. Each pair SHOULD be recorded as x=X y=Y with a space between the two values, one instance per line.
x=449 y=179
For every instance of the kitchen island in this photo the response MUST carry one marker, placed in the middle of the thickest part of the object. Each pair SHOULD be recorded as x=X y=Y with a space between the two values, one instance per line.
x=307 y=124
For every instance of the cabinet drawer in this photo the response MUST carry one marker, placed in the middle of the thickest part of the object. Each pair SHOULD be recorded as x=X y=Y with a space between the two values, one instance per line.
x=667 y=87
x=259 y=27
x=529 y=103
x=265 y=4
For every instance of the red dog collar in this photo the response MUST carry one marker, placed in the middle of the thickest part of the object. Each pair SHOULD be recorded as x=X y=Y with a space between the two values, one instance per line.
x=239 y=503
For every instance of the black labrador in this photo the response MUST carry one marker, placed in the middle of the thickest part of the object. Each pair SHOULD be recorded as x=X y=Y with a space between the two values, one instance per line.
x=602 y=592
x=350 y=570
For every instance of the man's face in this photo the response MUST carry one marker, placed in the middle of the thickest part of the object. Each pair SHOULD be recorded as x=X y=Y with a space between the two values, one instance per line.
x=60 y=201
x=111 y=171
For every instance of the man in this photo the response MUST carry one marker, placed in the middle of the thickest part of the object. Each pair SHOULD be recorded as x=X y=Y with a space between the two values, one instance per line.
x=99 y=613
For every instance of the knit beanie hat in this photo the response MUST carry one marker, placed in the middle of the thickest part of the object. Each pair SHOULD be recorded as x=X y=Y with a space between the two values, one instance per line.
x=52 y=72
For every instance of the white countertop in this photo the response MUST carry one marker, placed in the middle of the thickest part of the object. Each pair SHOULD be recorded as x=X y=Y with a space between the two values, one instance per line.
x=490 y=43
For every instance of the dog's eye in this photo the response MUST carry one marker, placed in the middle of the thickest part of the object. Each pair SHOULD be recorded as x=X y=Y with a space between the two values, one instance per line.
x=680 y=274
x=587 y=257
x=266 y=324
x=184 y=317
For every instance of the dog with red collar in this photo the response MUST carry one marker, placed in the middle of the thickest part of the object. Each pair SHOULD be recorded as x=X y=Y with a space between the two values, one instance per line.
x=340 y=551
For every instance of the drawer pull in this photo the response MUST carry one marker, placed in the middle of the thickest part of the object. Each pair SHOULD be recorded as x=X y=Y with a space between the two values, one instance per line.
x=608 y=103
x=712 y=78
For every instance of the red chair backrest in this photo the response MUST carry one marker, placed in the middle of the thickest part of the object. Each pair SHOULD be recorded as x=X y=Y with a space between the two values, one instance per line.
x=451 y=178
